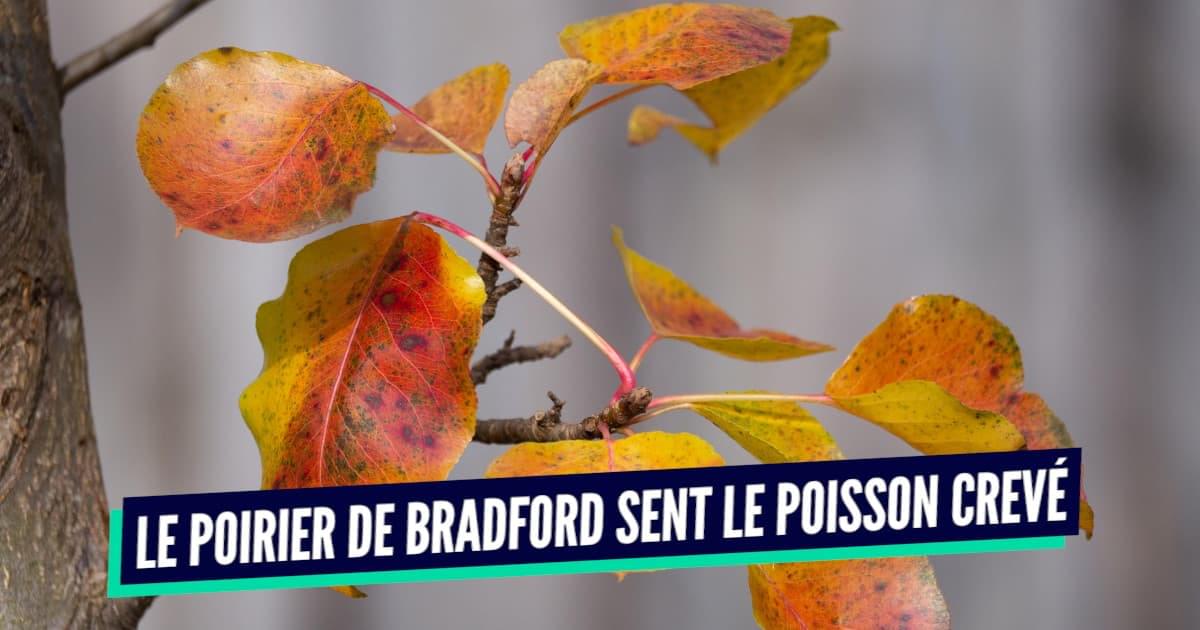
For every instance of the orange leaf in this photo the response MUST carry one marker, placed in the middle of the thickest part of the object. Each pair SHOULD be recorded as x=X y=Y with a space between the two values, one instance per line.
x=653 y=450
x=349 y=591
x=541 y=106
x=677 y=44
x=366 y=375
x=884 y=593
x=259 y=146
x=876 y=593
x=677 y=311
x=736 y=102
x=964 y=350
x=463 y=109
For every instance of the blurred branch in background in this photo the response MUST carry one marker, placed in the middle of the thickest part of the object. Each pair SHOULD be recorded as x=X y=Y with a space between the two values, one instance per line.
x=140 y=35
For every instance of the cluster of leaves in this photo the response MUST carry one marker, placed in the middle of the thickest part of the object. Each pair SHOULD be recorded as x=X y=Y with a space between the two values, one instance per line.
x=366 y=376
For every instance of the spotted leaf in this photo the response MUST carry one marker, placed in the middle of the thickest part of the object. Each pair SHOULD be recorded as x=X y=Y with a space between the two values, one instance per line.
x=876 y=593
x=366 y=376
x=965 y=351
x=680 y=45
x=653 y=450
x=677 y=311
x=259 y=146
x=463 y=109
x=736 y=102
x=541 y=106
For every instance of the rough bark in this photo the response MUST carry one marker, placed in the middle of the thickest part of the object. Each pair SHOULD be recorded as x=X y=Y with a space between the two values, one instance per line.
x=508 y=354
x=53 y=510
x=547 y=426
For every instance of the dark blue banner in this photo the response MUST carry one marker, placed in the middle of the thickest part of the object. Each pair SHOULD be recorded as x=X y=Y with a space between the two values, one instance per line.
x=595 y=522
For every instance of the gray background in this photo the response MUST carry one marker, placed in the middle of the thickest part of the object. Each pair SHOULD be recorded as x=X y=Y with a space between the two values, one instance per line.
x=1039 y=158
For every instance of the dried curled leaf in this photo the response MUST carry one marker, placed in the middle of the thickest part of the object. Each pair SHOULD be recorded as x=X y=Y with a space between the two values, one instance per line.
x=259 y=146
x=965 y=351
x=645 y=123
x=922 y=414
x=366 y=375
x=677 y=311
x=541 y=106
x=774 y=431
x=736 y=102
x=653 y=450
x=464 y=109
x=680 y=45
x=875 y=593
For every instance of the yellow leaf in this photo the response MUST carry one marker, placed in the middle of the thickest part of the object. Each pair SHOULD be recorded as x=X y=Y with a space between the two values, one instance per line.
x=774 y=431
x=677 y=311
x=846 y=594
x=922 y=414
x=653 y=450
x=463 y=109
x=680 y=45
x=366 y=375
x=541 y=106
x=736 y=102
x=259 y=146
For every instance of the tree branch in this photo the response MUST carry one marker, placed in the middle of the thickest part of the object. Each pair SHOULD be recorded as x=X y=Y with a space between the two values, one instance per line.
x=509 y=355
x=140 y=35
x=497 y=233
x=547 y=426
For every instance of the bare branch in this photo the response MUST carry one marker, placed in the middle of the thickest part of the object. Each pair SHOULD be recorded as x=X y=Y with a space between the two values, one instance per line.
x=504 y=288
x=497 y=233
x=547 y=426
x=141 y=35
x=509 y=355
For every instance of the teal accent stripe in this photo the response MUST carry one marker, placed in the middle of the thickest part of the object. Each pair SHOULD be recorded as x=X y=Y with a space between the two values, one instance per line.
x=116 y=589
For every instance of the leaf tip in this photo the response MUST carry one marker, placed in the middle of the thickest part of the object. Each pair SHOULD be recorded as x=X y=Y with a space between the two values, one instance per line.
x=352 y=592
x=618 y=237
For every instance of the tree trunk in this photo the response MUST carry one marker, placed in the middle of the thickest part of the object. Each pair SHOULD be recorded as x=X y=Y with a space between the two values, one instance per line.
x=53 y=511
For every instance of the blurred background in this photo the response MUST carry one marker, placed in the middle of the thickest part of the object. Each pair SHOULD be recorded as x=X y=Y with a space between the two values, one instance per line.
x=1041 y=159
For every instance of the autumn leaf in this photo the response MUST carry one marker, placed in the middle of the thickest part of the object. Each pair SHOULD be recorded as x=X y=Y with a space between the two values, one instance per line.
x=736 y=102
x=774 y=431
x=653 y=450
x=541 y=106
x=352 y=592
x=889 y=593
x=366 y=376
x=680 y=45
x=931 y=420
x=965 y=351
x=875 y=593
x=677 y=311
x=259 y=146
x=464 y=109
